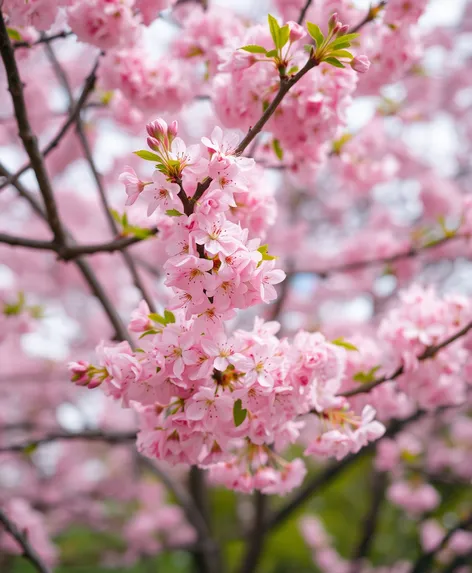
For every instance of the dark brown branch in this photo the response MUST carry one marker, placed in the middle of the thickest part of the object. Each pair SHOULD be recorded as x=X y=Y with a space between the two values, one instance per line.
x=71 y=119
x=90 y=436
x=26 y=134
x=326 y=476
x=430 y=352
x=370 y=16
x=358 y=265
x=43 y=40
x=424 y=562
x=255 y=542
x=370 y=522
x=29 y=552
x=301 y=18
x=207 y=560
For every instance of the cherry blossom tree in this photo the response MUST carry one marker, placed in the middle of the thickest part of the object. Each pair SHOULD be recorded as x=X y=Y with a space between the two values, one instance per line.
x=235 y=302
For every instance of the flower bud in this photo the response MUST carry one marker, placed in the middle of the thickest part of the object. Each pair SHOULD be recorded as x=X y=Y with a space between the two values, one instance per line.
x=157 y=129
x=79 y=372
x=332 y=22
x=297 y=32
x=344 y=30
x=360 y=64
x=173 y=129
x=153 y=144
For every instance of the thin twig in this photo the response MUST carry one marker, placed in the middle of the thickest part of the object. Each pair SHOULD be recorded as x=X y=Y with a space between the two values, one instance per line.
x=370 y=16
x=95 y=286
x=423 y=563
x=43 y=40
x=358 y=265
x=430 y=352
x=73 y=251
x=89 y=436
x=71 y=119
x=301 y=18
x=29 y=552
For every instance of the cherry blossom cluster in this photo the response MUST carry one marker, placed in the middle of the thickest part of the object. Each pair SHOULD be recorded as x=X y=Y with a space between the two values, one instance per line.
x=102 y=23
x=230 y=403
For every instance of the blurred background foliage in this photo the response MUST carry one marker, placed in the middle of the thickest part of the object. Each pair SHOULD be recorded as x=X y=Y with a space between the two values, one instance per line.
x=342 y=505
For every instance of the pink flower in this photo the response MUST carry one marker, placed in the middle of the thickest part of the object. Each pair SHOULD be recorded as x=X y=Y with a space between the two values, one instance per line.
x=266 y=277
x=209 y=408
x=161 y=193
x=133 y=185
x=360 y=64
x=218 y=235
x=297 y=32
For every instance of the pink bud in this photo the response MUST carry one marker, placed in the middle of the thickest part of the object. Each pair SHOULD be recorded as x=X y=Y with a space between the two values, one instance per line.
x=360 y=64
x=344 y=30
x=79 y=372
x=153 y=144
x=332 y=22
x=157 y=129
x=173 y=129
x=297 y=32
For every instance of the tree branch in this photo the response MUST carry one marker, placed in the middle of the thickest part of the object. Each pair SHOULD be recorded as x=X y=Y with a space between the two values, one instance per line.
x=370 y=522
x=358 y=265
x=423 y=564
x=331 y=472
x=90 y=436
x=71 y=119
x=28 y=552
x=430 y=352
x=73 y=251
x=255 y=541
x=43 y=40
x=301 y=18
x=26 y=134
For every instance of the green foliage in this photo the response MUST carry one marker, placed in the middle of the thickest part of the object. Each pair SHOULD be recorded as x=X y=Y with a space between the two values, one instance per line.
x=279 y=152
x=345 y=344
x=239 y=413
x=14 y=34
x=148 y=155
x=315 y=33
x=254 y=49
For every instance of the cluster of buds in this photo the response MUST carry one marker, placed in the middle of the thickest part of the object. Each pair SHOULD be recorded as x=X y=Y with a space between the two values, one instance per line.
x=84 y=374
x=332 y=48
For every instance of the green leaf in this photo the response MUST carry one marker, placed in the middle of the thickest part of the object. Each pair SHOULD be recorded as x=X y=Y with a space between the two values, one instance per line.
x=274 y=29
x=279 y=152
x=139 y=232
x=173 y=213
x=150 y=331
x=339 y=44
x=147 y=155
x=309 y=49
x=345 y=344
x=254 y=49
x=271 y=54
x=31 y=448
x=264 y=250
x=169 y=316
x=334 y=62
x=347 y=37
x=341 y=54
x=293 y=70
x=366 y=377
x=124 y=220
x=284 y=35
x=265 y=105
x=315 y=33
x=116 y=216
x=14 y=34
x=157 y=318
x=239 y=413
